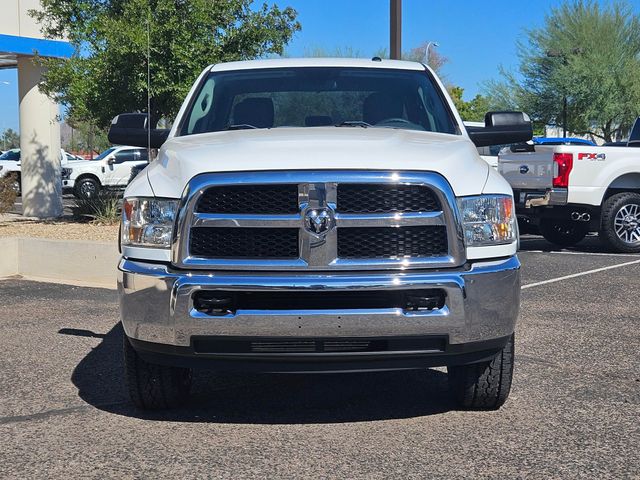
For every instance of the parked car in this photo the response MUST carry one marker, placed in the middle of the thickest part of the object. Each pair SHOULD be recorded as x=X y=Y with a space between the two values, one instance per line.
x=569 y=191
x=10 y=165
x=356 y=229
x=109 y=170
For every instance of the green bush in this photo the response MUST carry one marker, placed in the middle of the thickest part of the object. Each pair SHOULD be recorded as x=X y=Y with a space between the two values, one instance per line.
x=104 y=208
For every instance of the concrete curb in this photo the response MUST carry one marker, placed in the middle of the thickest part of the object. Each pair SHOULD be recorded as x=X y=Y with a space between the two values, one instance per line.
x=74 y=262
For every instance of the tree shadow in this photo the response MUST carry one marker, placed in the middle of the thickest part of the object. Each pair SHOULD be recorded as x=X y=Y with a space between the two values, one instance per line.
x=266 y=399
x=40 y=194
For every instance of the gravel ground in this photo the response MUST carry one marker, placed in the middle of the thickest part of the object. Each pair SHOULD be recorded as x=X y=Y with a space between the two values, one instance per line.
x=59 y=230
x=573 y=412
x=14 y=225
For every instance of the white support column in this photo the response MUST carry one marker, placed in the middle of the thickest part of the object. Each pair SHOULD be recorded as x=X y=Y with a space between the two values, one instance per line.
x=39 y=145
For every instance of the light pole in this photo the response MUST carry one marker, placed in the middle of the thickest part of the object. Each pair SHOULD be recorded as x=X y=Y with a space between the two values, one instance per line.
x=426 y=51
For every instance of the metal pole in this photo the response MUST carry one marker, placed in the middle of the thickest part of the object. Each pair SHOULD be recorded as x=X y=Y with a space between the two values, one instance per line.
x=396 y=29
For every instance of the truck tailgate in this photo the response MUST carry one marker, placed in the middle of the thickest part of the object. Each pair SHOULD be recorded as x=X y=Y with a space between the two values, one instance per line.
x=528 y=170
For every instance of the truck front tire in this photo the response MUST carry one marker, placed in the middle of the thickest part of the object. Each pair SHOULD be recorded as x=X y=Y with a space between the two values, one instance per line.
x=564 y=233
x=86 y=188
x=620 y=222
x=154 y=387
x=485 y=385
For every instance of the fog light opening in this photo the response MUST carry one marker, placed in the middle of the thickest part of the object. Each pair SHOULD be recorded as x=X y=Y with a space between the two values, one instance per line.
x=214 y=304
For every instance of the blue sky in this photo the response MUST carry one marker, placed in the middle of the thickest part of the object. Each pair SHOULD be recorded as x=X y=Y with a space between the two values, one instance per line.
x=476 y=36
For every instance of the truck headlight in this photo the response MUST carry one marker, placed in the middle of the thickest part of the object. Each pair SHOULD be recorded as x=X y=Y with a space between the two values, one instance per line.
x=148 y=222
x=66 y=173
x=488 y=220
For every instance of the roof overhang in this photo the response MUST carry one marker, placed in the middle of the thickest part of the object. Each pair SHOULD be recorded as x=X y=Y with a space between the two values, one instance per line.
x=12 y=46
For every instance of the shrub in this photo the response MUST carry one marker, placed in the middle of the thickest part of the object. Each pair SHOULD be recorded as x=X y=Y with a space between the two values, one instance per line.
x=104 y=208
x=8 y=193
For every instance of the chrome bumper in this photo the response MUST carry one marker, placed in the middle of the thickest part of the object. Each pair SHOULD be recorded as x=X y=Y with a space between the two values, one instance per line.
x=482 y=303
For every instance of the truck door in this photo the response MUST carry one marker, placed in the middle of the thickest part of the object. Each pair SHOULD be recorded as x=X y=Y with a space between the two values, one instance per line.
x=118 y=172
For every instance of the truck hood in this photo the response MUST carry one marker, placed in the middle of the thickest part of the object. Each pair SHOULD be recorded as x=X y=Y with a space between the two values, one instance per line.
x=75 y=163
x=318 y=148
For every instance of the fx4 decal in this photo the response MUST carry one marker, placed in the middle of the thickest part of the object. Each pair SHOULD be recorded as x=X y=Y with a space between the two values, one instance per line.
x=592 y=156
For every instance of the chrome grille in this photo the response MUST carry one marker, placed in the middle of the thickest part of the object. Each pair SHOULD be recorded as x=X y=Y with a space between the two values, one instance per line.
x=341 y=220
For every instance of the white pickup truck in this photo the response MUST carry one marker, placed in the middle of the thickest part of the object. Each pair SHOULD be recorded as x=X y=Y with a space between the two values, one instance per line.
x=319 y=215
x=568 y=191
x=110 y=170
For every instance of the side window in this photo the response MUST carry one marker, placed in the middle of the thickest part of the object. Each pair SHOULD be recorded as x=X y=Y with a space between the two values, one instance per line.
x=201 y=108
x=125 y=156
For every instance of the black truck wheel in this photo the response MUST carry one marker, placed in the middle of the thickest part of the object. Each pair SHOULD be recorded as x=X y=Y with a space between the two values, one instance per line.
x=154 y=387
x=86 y=188
x=564 y=233
x=485 y=385
x=620 y=222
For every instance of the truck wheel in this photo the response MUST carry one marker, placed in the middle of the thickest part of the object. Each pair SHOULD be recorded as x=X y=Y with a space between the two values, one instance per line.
x=154 y=387
x=563 y=233
x=485 y=385
x=620 y=225
x=86 y=188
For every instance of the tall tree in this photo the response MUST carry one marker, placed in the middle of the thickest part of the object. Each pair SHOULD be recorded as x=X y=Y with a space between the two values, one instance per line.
x=108 y=73
x=473 y=110
x=86 y=137
x=585 y=56
x=9 y=139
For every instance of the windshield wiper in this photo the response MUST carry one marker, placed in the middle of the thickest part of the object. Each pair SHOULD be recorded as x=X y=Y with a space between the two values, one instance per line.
x=354 y=123
x=240 y=126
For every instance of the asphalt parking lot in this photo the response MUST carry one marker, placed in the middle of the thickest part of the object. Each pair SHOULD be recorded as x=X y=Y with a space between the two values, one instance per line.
x=574 y=411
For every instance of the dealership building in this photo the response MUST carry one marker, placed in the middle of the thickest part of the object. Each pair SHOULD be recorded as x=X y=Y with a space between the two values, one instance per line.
x=20 y=41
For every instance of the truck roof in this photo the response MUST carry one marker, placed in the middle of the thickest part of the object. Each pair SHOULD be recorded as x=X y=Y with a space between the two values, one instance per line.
x=317 y=62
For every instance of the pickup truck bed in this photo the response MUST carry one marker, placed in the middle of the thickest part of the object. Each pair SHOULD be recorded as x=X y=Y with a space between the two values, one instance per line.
x=568 y=191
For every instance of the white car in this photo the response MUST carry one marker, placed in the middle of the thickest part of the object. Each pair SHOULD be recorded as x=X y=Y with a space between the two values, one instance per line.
x=319 y=215
x=567 y=191
x=111 y=169
x=10 y=164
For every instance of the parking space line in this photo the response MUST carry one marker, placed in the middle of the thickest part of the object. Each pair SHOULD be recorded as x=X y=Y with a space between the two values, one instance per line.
x=574 y=275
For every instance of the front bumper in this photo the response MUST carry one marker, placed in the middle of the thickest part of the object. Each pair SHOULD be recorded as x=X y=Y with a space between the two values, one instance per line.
x=479 y=313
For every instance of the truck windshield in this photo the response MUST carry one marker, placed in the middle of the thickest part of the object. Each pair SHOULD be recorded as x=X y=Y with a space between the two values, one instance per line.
x=318 y=97
x=106 y=153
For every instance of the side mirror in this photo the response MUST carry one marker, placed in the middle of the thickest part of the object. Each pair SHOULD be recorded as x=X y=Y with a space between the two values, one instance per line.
x=111 y=161
x=502 y=127
x=133 y=129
